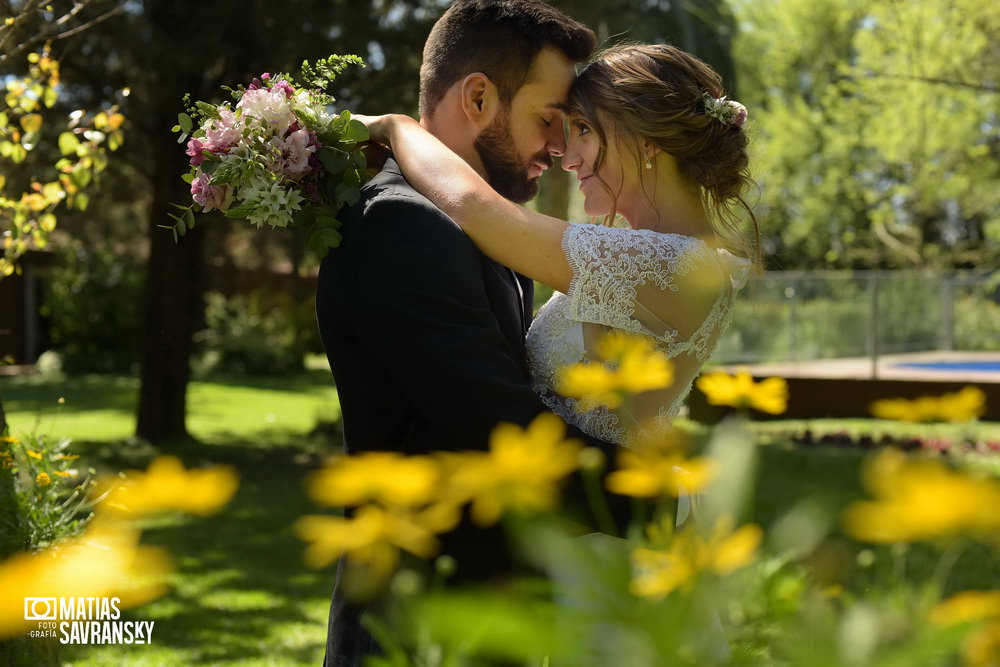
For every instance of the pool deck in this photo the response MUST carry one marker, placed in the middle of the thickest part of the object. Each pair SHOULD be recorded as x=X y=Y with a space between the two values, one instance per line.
x=845 y=388
x=887 y=367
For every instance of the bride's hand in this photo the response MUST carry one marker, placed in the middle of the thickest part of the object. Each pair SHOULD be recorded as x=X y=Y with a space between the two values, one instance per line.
x=378 y=126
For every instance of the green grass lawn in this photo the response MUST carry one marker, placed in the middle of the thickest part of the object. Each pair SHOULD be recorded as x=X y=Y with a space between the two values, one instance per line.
x=241 y=594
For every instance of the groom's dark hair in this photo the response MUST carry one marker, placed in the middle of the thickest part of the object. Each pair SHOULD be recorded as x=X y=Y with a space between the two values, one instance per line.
x=499 y=38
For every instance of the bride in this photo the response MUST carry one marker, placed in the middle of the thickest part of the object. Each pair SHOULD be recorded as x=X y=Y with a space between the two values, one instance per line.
x=653 y=140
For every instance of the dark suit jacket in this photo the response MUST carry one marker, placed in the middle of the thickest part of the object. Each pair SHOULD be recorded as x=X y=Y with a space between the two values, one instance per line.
x=425 y=337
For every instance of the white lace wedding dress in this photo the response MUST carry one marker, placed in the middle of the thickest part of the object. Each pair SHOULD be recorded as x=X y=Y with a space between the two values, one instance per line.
x=638 y=281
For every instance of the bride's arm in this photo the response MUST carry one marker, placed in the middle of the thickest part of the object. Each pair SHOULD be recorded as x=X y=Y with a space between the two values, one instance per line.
x=526 y=241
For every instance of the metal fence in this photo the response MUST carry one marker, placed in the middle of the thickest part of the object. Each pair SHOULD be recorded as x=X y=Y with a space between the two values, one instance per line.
x=802 y=316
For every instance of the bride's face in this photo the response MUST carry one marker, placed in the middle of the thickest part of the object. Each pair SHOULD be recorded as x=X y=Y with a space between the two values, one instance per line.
x=610 y=185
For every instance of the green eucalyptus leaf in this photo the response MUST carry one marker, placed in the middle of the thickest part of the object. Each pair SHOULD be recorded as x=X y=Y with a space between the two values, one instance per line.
x=333 y=159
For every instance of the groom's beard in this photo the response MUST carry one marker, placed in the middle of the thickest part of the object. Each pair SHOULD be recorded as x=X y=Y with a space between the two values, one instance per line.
x=506 y=172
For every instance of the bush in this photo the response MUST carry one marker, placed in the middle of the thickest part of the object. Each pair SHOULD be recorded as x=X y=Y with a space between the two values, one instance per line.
x=94 y=319
x=251 y=334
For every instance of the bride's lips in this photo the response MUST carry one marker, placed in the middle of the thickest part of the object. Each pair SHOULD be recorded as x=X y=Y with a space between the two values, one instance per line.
x=584 y=180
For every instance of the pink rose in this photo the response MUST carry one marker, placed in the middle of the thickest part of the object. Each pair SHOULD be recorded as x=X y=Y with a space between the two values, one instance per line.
x=224 y=132
x=296 y=152
x=194 y=149
x=210 y=196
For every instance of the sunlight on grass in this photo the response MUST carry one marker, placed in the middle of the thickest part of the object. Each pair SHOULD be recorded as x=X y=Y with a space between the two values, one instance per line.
x=102 y=408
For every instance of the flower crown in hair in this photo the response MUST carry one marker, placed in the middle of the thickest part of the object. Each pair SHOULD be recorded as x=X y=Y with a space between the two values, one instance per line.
x=727 y=112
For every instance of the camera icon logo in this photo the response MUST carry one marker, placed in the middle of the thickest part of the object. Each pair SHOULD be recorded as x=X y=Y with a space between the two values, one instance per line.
x=40 y=609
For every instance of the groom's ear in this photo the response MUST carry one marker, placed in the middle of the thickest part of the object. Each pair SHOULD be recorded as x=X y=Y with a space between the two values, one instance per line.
x=480 y=99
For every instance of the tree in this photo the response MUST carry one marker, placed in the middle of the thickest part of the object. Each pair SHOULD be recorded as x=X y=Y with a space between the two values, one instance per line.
x=875 y=130
x=67 y=157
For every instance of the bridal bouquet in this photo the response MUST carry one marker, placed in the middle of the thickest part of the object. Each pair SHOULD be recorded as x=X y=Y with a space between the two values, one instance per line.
x=278 y=156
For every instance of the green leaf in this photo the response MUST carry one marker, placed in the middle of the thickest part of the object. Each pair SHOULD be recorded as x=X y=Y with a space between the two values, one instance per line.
x=333 y=159
x=81 y=177
x=68 y=143
x=323 y=238
x=242 y=211
x=355 y=131
x=185 y=123
x=347 y=194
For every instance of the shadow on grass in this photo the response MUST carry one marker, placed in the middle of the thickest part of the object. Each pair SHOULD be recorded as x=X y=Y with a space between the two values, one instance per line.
x=241 y=593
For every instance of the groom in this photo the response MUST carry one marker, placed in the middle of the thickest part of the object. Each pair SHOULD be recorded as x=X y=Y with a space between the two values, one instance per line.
x=424 y=334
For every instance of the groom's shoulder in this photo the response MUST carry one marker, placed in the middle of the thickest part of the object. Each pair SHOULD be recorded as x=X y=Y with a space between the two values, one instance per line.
x=389 y=194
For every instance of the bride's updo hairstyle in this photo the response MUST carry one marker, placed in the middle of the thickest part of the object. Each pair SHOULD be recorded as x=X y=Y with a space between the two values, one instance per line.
x=666 y=96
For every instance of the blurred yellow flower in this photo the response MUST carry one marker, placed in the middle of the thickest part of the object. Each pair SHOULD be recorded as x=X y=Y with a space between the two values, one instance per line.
x=658 y=572
x=105 y=561
x=965 y=405
x=167 y=485
x=651 y=473
x=373 y=536
x=628 y=364
x=387 y=477
x=43 y=479
x=981 y=647
x=521 y=471
x=921 y=499
x=966 y=607
x=770 y=395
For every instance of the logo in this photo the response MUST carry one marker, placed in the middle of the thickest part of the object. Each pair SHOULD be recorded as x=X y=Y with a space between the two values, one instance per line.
x=40 y=609
x=89 y=620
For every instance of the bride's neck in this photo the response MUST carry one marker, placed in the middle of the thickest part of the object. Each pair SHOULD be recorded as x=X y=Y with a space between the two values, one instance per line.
x=676 y=211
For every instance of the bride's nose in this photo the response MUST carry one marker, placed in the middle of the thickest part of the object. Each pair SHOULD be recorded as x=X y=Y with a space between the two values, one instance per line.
x=571 y=156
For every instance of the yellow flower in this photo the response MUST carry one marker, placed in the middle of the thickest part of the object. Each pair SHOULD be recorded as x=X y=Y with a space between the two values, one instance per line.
x=651 y=473
x=628 y=364
x=387 y=477
x=521 y=471
x=740 y=391
x=33 y=454
x=982 y=647
x=964 y=405
x=372 y=537
x=107 y=560
x=43 y=479
x=966 y=607
x=658 y=572
x=592 y=384
x=166 y=485
x=921 y=499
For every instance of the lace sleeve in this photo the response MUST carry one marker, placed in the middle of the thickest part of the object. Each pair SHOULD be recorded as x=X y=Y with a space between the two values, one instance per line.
x=615 y=268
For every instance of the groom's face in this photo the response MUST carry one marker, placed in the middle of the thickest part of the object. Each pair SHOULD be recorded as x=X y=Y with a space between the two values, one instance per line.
x=519 y=144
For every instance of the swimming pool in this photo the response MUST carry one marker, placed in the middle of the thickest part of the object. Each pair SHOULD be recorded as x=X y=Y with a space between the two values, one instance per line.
x=984 y=366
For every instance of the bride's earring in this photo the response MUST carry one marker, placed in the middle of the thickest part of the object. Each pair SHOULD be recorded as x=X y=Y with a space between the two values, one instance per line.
x=649 y=162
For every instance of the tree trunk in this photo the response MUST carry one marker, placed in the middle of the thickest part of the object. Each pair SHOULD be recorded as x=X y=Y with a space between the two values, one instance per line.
x=173 y=306
x=174 y=296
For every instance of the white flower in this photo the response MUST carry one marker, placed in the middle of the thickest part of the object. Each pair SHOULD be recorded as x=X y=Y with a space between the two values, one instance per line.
x=269 y=105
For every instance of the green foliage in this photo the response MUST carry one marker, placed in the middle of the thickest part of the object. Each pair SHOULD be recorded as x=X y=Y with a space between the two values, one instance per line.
x=43 y=493
x=873 y=148
x=799 y=316
x=71 y=155
x=325 y=71
x=250 y=334
x=90 y=306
